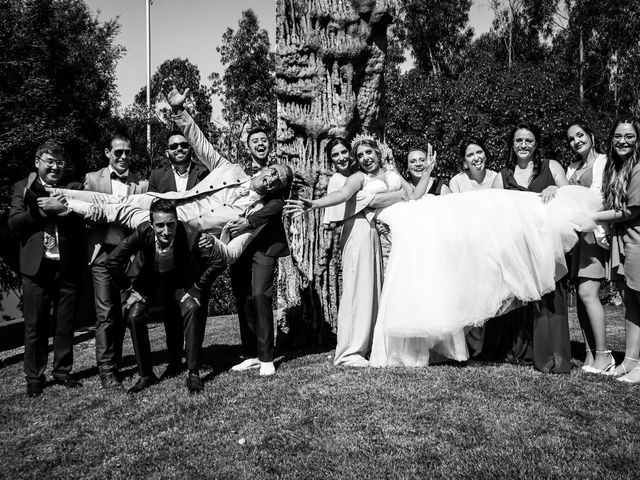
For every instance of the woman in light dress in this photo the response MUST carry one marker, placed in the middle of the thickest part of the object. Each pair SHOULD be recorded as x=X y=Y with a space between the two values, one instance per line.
x=474 y=175
x=588 y=265
x=621 y=186
x=352 y=200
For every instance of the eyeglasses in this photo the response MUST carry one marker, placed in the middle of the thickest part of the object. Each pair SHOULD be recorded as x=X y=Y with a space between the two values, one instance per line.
x=629 y=138
x=523 y=141
x=120 y=151
x=52 y=163
x=182 y=145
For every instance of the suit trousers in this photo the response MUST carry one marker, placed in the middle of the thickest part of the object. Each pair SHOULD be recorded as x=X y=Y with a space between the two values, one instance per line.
x=45 y=290
x=252 y=284
x=178 y=314
x=110 y=324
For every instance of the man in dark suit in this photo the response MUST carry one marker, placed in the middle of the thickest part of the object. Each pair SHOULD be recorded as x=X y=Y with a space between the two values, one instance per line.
x=252 y=275
x=179 y=175
x=115 y=178
x=172 y=276
x=51 y=241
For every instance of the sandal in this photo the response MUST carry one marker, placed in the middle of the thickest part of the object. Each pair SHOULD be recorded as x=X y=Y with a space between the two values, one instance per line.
x=608 y=370
x=624 y=369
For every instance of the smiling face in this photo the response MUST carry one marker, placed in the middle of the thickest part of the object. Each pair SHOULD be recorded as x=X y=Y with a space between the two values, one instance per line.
x=368 y=159
x=416 y=163
x=270 y=180
x=164 y=226
x=579 y=140
x=524 y=144
x=624 y=140
x=475 y=158
x=50 y=167
x=178 y=150
x=341 y=158
x=258 y=144
x=119 y=155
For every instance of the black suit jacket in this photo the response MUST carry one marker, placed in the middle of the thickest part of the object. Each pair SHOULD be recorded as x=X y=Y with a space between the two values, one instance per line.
x=272 y=240
x=194 y=269
x=25 y=220
x=162 y=179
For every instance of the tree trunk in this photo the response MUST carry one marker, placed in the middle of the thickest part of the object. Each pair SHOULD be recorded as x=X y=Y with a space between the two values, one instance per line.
x=329 y=81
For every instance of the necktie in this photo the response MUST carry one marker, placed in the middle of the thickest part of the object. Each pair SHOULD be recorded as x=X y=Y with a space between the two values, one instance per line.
x=115 y=176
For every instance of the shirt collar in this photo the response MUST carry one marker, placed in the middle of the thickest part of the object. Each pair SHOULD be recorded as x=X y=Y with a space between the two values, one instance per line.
x=123 y=174
x=181 y=175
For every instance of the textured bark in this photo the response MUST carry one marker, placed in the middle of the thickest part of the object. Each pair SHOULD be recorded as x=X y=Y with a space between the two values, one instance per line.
x=329 y=81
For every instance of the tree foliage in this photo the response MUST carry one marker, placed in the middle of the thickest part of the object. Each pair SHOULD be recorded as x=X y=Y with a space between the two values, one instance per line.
x=435 y=31
x=247 y=84
x=57 y=80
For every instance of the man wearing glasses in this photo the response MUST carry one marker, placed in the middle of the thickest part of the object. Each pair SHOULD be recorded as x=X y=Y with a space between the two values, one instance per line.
x=181 y=173
x=51 y=237
x=115 y=179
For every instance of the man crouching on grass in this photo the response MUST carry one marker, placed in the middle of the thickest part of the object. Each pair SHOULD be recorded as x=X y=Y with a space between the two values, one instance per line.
x=171 y=277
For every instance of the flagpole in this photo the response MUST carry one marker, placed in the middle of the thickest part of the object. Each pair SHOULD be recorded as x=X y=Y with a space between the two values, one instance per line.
x=148 y=9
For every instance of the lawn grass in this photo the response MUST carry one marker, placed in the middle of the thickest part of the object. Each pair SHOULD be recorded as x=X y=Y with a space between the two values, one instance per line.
x=314 y=420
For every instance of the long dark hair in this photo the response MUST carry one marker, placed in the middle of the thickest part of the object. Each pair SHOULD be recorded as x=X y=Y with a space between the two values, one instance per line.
x=537 y=156
x=335 y=141
x=595 y=144
x=462 y=150
x=617 y=172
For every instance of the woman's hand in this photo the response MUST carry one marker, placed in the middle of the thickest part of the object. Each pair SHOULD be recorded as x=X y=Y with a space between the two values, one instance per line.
x=431 y=158
x=548 y=194
x=295 y=208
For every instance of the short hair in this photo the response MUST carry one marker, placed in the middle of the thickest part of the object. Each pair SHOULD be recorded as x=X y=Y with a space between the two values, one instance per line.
x=464 y=144
x=334 y=142
x=162 y=205
x=257 y=129
x=52 y=147
x=174 y=133
x=117 y=136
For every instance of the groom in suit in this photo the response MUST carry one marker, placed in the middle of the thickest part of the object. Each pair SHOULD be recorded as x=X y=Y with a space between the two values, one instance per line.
x=116 y=179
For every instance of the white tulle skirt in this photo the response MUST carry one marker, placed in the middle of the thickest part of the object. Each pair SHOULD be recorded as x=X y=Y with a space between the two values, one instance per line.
x=458 y=260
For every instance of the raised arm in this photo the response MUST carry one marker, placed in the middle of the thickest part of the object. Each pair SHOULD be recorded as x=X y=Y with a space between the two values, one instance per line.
x=206 y=152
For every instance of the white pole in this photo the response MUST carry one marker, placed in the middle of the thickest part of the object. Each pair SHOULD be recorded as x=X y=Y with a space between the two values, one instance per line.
x=148 y=2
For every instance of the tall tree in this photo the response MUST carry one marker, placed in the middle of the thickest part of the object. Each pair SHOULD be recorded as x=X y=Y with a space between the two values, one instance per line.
x=246 y=87
x=57 y=80
x=436 y=31
x=183 y=74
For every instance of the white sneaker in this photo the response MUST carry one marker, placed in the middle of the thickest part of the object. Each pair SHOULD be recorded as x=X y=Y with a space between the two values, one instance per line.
x=248 y=364
x=267 y=369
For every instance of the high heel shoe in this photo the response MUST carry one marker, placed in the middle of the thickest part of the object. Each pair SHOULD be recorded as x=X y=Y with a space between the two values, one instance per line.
x=608 y=370
x=624 y=369
x=625 y=378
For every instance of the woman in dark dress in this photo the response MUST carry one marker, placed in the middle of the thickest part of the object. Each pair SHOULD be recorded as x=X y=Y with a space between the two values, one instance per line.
x=538 y=332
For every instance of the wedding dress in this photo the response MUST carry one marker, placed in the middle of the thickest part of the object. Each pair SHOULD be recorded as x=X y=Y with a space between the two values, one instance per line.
x=458 y=260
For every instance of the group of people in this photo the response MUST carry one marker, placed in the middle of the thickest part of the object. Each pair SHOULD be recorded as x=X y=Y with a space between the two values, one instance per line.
x=474 y=270
x=477 y=273
x=177 y=218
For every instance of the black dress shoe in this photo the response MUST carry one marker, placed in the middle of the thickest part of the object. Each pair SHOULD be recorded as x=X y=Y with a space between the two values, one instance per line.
x=110 y=381
x=172 y=370
x=144 y=382
x=34 y=389
x=67 y=382
x=194 y=383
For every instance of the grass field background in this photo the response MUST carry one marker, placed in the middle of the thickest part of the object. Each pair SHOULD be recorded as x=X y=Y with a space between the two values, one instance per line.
x=314 y=420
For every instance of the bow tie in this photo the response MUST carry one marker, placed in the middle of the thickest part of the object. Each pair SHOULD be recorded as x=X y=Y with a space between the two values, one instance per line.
x=115 y=176
x=255 y=169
